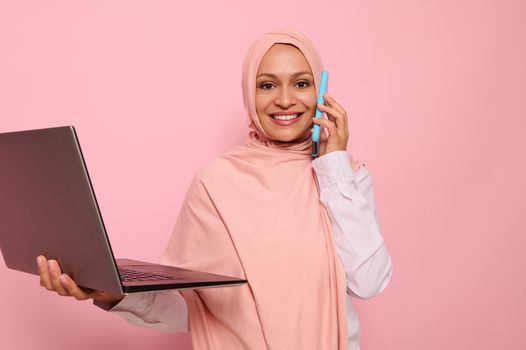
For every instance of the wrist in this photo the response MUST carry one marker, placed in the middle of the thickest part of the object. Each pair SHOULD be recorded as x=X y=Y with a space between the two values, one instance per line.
x=108 y=302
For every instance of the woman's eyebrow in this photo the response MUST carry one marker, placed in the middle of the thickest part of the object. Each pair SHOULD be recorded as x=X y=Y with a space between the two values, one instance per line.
x=274 y=76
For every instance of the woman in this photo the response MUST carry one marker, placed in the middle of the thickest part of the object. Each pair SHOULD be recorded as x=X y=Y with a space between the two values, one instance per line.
x=303 y=232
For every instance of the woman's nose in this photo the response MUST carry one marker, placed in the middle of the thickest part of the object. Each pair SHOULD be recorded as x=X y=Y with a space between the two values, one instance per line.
x=285 y=98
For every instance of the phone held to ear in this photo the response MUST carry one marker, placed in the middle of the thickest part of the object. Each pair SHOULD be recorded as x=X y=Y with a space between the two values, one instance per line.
x=317 y=128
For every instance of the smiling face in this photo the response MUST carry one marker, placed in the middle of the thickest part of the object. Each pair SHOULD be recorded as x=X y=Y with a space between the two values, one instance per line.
x=285 y=93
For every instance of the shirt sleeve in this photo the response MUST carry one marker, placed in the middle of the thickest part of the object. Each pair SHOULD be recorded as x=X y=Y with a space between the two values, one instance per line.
x=347 y=195
x=163 y=310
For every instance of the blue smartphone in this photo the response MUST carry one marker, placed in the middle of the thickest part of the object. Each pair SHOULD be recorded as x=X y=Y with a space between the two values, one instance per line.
x=317 y=128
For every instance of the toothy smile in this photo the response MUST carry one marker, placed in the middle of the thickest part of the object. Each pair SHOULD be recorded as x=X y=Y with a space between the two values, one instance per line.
x=285 y=116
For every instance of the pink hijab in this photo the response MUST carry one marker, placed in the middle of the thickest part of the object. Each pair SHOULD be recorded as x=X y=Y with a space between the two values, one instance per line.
x=255 y=213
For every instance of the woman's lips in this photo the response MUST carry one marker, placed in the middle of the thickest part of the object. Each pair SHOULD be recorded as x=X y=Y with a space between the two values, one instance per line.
x=287 y=122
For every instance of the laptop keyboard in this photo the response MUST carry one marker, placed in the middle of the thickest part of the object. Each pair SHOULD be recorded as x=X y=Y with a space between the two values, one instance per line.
x=128 y=275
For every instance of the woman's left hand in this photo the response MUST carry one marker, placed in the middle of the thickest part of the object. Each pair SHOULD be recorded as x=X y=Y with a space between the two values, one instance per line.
x=336 y=124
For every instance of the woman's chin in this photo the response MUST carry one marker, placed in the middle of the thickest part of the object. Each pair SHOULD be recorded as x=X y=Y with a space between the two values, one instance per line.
x=291 y=137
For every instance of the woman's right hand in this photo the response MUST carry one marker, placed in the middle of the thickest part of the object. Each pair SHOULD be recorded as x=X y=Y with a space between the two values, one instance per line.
x=52 y=278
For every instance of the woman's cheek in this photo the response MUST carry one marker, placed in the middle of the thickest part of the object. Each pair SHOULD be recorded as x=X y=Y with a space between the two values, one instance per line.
x=309 y=100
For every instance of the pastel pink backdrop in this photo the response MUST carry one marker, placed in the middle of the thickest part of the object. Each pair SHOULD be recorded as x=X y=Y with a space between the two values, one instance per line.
x=436 y=97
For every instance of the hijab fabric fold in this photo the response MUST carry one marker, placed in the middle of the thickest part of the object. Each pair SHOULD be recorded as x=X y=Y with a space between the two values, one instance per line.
x=255 y=213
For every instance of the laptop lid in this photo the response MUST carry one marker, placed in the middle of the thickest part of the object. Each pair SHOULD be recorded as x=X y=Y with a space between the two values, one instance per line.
x=47 y=207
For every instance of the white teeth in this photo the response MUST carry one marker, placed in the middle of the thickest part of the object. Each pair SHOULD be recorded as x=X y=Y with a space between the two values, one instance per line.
x=285 y=117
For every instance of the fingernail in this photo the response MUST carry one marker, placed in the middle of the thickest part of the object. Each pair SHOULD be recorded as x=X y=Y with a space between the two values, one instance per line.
x=63 y=279
x=50 y=264
x=39 y=261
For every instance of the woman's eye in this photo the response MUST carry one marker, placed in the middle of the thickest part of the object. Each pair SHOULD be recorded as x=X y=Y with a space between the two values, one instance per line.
x=266 y=86
x=302 y=84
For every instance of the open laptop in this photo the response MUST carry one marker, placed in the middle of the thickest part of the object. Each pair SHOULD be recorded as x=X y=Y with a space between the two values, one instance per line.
x=48 y=207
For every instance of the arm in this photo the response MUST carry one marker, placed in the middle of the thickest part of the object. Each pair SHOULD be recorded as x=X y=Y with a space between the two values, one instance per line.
x=348 y=197
x=164 y=310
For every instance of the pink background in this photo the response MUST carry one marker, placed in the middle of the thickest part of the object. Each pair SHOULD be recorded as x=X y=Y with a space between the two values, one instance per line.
x=435 y=92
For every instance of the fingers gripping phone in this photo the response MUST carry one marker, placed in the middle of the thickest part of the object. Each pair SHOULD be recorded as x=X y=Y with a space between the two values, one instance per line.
x=317 y=128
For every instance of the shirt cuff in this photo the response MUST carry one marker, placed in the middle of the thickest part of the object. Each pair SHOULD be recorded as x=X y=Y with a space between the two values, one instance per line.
x=125 y=304
x=333 y=167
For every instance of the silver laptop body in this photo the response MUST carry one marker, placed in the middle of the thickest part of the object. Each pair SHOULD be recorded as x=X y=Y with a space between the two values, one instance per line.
x=48 y=207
